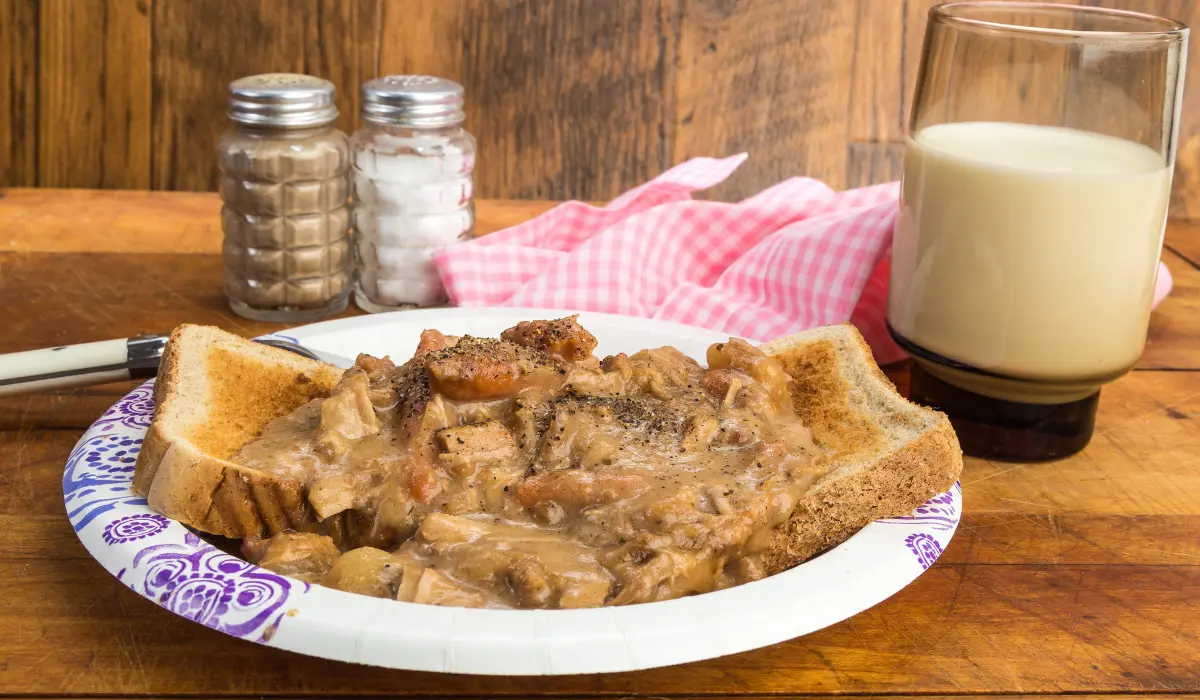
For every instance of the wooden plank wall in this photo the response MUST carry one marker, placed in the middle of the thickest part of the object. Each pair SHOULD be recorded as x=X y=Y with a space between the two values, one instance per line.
x=569 y=99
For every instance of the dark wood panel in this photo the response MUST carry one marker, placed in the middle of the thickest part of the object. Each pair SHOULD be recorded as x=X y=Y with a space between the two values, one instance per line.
x=878 y=91
x=422 y=37
x=94 y=94
x=342 y=47
x=767 y=77
x=567 y=99
x=196 y=53
x=916 y=14
x=1185 y=191
x=18 y=92
x=873 y=163
x=199 y=47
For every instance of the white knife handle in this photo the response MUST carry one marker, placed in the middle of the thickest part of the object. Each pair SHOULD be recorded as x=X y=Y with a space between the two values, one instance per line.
x=79 y=365
x=65 y=381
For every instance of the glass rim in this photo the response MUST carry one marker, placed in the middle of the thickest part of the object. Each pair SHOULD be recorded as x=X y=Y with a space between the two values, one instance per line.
x=1170 y=28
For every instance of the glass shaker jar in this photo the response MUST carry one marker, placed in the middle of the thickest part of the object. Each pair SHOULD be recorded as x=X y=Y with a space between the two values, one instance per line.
x=285 y=189
x=413 y=188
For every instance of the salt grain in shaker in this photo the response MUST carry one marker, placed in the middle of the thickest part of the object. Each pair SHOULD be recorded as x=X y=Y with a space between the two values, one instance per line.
x=413 y=188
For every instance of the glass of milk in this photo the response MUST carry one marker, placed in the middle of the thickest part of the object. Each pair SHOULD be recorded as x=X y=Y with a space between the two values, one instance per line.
x=1037 y=175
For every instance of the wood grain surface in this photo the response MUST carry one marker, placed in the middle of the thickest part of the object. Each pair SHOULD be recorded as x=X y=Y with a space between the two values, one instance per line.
x=568 y=99
x=18 y=92
x=1076 y=577
x=94 y=93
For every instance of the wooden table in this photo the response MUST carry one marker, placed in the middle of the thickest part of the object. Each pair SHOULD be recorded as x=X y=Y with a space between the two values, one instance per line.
x=1081 y=576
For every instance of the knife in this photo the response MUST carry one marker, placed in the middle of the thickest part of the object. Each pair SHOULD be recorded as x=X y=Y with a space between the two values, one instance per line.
x=104 y=361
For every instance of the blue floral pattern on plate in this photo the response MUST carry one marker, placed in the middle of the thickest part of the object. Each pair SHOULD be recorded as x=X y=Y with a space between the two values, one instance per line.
x=170 y=564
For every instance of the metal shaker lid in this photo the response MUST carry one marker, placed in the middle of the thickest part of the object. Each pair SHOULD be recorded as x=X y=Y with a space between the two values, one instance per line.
x=412 y=100
x=286 y=100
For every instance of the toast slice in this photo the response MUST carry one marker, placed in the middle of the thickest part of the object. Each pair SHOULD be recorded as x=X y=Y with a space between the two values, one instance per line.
x=885 y=456
x=215 y=392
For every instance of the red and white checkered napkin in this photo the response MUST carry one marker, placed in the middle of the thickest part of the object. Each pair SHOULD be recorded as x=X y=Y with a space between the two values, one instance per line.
x=792 y=257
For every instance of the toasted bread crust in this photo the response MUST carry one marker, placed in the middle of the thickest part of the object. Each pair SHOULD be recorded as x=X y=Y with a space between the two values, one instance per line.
x=237 y=387
x=887 y=455
x=830 y=514
x=226 y=499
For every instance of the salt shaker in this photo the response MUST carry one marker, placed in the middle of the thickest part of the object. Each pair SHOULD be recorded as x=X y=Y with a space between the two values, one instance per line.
x=413 y=188
x=285 y=188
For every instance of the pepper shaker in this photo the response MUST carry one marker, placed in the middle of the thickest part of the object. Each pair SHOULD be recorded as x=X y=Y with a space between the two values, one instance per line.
x=413 y=188
x=285 y=192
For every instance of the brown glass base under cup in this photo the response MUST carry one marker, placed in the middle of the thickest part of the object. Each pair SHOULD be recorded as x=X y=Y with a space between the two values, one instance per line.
x=994 y=428
x=1006 y=430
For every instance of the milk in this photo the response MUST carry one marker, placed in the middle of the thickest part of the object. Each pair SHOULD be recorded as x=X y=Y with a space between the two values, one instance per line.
x=1030 y=251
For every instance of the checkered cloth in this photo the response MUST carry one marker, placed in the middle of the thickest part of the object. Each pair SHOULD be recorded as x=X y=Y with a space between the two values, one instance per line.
x=792 y=257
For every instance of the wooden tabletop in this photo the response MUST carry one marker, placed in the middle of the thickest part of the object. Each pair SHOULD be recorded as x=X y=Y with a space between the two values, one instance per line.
x=1081 y=576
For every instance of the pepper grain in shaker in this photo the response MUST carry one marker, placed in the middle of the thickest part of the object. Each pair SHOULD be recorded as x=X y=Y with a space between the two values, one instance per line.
x=413 y=188
x=285 y=189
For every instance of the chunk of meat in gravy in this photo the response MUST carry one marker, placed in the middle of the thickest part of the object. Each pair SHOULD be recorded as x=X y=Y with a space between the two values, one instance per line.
x=526 y=417
x=334 y=494
x=442 y=529
x=663 y=575
x=588 y=378
x=431 y=340
x=423 y=481
x=347 y=415
x=481 y=369
x=367 y=571
x=579 y=435
x=436 y=588
x=301 y=555
x=768 y=374
x=528 y=566
x=482 y=441
x=522 y=472
x=574 y=490
x=698 y=434
x=376 y=368
x=663 y=372
x=563 y=338
x=484 y=459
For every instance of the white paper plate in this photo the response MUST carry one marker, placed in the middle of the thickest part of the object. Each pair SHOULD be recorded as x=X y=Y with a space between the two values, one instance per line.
x=164 y=562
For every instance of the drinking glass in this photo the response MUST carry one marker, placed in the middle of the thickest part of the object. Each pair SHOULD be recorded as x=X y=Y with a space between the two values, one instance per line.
x=1037 y=174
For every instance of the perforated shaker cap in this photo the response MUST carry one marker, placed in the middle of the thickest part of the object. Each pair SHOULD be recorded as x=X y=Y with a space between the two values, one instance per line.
x=287 y=100
x=412 y=100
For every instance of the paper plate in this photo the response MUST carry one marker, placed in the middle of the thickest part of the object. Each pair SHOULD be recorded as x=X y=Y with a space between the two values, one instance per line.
x=163 y=561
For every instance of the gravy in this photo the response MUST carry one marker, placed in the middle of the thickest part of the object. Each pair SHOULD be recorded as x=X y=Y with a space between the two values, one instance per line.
x=523 y=472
